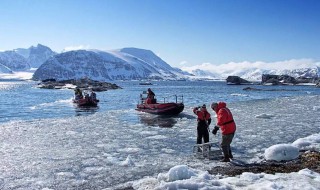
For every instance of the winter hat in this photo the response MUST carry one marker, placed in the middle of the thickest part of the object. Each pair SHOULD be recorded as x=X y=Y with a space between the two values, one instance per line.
x=214 y=104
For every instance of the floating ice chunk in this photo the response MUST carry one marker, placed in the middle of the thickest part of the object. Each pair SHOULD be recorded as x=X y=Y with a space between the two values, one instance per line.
x=71 y=132
x=281 y=152
x=93 y=170
x=167 y=150
x=112 y=160
x=316 y=108
x=65 y=175
x=90 y=162
x=149 y=133
x=129 y=150
x=158 y=137
x=265 y=116
x=127 y=162
x=178 y=172
x=236 y=94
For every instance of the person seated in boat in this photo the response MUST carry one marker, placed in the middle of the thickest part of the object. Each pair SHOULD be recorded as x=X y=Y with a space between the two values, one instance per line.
x=93 y=96
x=86 y=96
x=150 y=98
x=78 y=94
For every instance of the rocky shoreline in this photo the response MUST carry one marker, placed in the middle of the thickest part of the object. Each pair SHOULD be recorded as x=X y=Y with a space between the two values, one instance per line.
x=307 y=159
x=83 y=84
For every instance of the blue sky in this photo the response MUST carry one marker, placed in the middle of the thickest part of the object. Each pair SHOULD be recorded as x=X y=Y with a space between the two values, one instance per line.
x=188 y=32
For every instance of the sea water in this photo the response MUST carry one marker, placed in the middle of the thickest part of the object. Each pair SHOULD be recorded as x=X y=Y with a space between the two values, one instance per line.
x=21 y=100
x=48 y=142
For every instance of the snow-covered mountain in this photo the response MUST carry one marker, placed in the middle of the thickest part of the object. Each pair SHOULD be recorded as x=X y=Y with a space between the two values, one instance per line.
x=14 y=61
x=36 y=55
x=122 y=64
x=24 y=59
x=5 y=69
x=135 y=64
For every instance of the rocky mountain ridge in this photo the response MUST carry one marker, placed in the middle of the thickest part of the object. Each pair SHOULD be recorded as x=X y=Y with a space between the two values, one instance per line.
x=123 y=64
x=22 y=59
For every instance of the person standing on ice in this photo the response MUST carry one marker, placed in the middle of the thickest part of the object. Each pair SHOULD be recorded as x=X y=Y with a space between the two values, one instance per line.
x=228 y=127
x=204 y=120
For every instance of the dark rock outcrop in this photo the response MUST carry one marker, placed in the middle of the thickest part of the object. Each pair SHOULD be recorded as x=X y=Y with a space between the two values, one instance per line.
x=307 y=159
x=260 y=89
x=84 y=84
x=236 y=80
x=278 y=79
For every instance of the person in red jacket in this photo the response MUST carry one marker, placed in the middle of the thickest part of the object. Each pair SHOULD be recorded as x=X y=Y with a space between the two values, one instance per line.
x=228 y=127
x=204 y=120
x=150 y=98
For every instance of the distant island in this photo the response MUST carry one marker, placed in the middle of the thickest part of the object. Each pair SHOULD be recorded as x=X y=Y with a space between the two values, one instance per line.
x=83 y=84
x=268 y=79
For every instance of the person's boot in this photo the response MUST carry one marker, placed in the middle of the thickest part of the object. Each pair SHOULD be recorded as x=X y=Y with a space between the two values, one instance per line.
x=230 y=154
x=225 y=154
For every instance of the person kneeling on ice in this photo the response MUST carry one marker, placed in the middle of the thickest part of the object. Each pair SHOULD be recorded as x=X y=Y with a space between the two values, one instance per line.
x=204 y=120
x=228 y=127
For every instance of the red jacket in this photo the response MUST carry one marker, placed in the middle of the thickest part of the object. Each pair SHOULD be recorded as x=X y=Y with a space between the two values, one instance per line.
x=203 y=115
x=225 y=119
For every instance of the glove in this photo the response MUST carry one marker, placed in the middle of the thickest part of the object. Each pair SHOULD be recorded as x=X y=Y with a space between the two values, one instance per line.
x=195 y=109
x=215 y=130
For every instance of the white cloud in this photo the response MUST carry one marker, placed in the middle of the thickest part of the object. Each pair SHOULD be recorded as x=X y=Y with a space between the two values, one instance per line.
x=71 y=48
x=183 y=63
x=245 y=65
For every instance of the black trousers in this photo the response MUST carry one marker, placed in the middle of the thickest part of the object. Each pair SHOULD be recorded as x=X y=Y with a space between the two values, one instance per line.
x=203 y=133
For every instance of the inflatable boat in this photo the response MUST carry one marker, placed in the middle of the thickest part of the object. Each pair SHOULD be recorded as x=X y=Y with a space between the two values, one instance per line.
x=86 y=102
x=164 y=108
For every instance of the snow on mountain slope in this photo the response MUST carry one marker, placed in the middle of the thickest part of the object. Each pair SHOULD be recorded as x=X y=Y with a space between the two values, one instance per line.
x=148 y=57
x=24 y=59
x=38 y=55
x=22 y=51
x=136 y=64
x=13 y=61
x=255 y=74
x=107 y=65
x=5 y=69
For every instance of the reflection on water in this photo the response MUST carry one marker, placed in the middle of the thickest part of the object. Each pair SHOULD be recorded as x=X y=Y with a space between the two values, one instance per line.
x=160 y=120
x=81 y=111
x=157 y=120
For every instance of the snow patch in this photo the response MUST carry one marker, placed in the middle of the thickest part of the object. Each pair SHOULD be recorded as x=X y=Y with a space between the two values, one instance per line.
x=310 y=142
x=281 y=152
